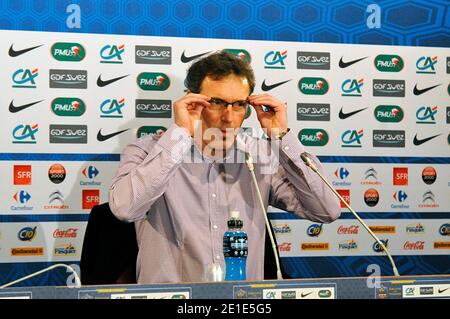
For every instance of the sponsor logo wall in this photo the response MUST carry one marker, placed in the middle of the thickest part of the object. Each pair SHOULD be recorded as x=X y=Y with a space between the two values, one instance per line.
x=377 y=115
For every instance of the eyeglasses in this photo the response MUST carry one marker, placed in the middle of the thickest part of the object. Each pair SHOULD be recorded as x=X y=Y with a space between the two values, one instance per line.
x=217 y=104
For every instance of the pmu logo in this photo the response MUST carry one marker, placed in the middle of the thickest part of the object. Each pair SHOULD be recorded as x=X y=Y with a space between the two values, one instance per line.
x=400 y=196
x=389 y=113
x=341 y=173
x=153 y=81
x=150 y=130
x=352 y=87
x=240 y=53
x=444 y=230
x=428 y=200
x=313 y=137
x=112 y=108
x=27 y=234
x=68 y=106
x=25 y=78
x=275 y=60
x=68 y=51
x=153 y=55
x=378 y=248
x=389 y=63
x=313 y=86
x=426 y=115
x=352 y=138
x=315 y=230
x=90 y=172
x=389 y=88
x=153 y=108
x=22 y=197
x=429 y=175
x=426 y=64
x=25 y=134
x=112 y=54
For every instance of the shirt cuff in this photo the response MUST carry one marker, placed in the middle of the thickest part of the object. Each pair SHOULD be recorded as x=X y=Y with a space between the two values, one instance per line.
x=291 y=146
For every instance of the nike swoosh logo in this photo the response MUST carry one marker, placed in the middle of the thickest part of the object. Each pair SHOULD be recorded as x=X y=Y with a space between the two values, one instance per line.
x=266 y=87
x=343 y=115
x=442 y=290
x=187 y=59
x=102 y=83
x=17 y=108
x=305 y=295
x=418 y=142
x=344 y=65
x=417 y=91
x=102 y=138
x=13 y=53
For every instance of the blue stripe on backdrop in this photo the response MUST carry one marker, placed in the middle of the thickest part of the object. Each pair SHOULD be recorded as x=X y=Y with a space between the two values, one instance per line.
x=372 y=215
x=44 y=218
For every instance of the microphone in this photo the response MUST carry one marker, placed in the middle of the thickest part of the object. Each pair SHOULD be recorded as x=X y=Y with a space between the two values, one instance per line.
x=308 y=162
x=251 y=168
x=77 y=279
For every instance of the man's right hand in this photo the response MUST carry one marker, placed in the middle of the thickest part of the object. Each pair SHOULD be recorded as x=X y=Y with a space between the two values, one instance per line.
x=188 y=109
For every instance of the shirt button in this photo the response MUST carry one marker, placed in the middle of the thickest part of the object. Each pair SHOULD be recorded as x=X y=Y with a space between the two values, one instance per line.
x=213 y=195
x=217 y=256
x=215 y=227
x=286 y=148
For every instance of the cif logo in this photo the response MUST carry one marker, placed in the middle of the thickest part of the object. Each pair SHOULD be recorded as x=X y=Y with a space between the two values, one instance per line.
x=275 y=60
x=425 y=115
x=24 y=134
x=112 y=54
x=22 y=197
x=112 y=108
x=27 y=234
x=25 y=78
x=425 y=64
x=444 y=230
x=341 y=173
x=90 y=172
x=377 y=247
x=352 y=138
x=352 y=87
x=314 y=230
x=400 y=196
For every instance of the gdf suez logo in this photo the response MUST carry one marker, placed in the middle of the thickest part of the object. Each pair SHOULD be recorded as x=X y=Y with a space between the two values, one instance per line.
x=25 y=134
x=426 y=65
x=112 y=108
x=112 y=54
x=352 y=87
x=275 y=60
x=25 y=78
x=352 y=138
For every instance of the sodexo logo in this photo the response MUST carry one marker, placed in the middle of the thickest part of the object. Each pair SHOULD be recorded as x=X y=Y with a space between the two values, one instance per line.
x=240 y=53
x=391 y=138
x=68 y=79
x=68 y=134
x=313 y=86
x=275 y=60
x=153 y=54
x=426 y=115
x=313 y=137
x=389 y=113
x=112 y=108
x=68 y=106
x=25 y=78
x=68 y=51
x=27 y=233
x=315 y=230
x=313 y=60
x=426 y=65
x=313 y=112
x=352 y=87
x=153 y=81
x=150 y=130
x=389 y=63
x=25 y=134
x=153 y=108
x=352 y=138
x=389 y=88
x=112 y=54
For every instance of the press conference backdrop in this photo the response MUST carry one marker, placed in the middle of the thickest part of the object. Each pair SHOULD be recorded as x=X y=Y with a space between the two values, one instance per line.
x=378 y=117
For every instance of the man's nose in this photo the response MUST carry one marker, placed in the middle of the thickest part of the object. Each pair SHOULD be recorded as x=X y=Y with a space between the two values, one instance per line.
x=227 y=114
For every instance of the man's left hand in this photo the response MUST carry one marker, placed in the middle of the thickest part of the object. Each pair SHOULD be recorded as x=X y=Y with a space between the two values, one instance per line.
x=275 y=120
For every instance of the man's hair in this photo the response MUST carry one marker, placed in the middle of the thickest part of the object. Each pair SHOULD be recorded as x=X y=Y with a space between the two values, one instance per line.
x=217 y=66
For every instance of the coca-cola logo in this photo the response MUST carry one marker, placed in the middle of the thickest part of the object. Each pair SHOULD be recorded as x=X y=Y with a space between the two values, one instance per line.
x=418 y=245
x=350 y=230
x=65 y=233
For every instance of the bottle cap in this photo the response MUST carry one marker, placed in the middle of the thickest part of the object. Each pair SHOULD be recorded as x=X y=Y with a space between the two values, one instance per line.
x=235 y=220
x=234 y=214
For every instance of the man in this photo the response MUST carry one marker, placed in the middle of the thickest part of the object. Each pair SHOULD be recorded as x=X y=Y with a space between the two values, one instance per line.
x=179 y=188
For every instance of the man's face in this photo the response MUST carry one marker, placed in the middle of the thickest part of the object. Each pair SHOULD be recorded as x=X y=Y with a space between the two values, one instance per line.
x=227 y=119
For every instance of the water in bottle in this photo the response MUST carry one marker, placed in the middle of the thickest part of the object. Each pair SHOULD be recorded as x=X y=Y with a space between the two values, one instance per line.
x=235 y=249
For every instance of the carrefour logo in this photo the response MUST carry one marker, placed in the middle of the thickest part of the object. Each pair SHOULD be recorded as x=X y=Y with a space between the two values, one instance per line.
x=68 y=51
x=341 y=173
x=68 y=106
x=275 y=60
x=426 y=64
x=313 y=86
x=389 y=63
x=389 y=113
x=25 y=78
x=150 y=130
x=90 y=172
x=444 y=230
x=313 y=137
x=352 y=138
x=352 y=87
x=152 y=81
x=27 y=234
x=400 y=196
x=112 y=54
x=426 y=115
x=25 y=134
x=112 y=108
x=22 y=197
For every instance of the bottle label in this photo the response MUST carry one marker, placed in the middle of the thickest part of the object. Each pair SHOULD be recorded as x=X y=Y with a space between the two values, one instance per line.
x=235 y=245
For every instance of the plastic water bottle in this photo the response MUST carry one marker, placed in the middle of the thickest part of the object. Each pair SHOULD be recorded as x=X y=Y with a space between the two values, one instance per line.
x=235 y=249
